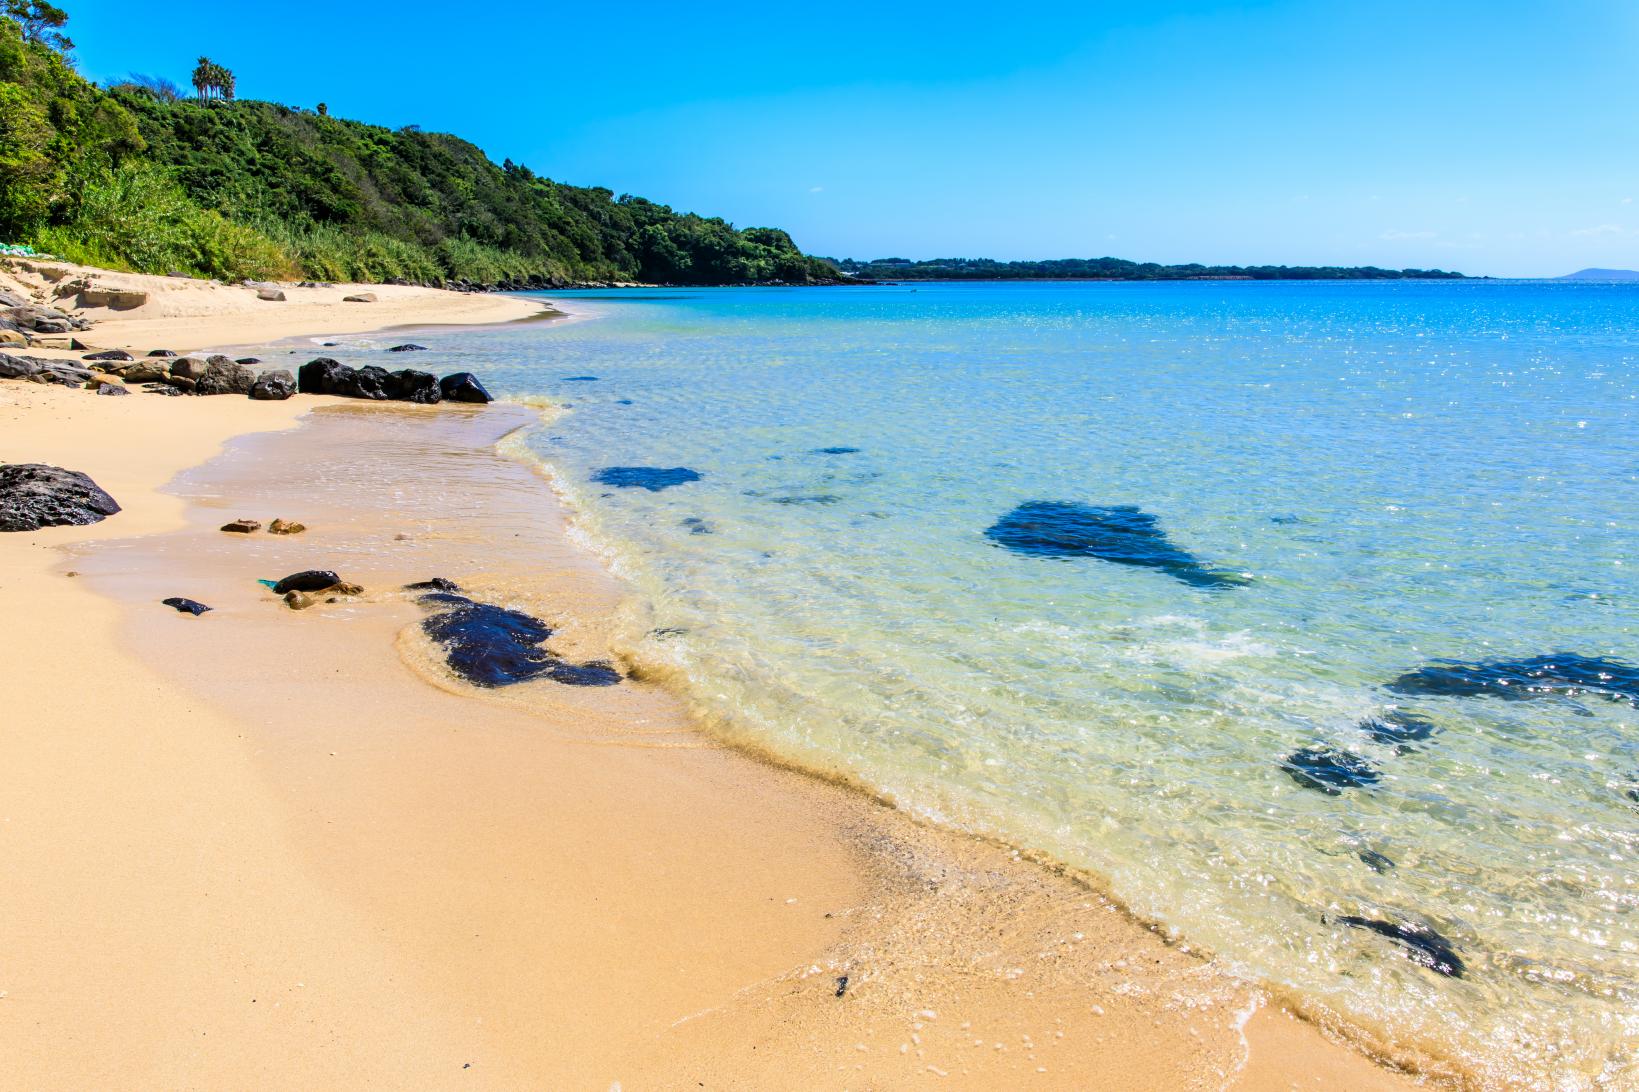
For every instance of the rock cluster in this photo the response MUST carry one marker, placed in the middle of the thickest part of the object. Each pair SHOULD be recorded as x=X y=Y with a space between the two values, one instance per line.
x=327 y=376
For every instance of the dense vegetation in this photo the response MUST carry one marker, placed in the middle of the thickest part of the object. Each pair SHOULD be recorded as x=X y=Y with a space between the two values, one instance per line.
x=1113 y=269
x=139 y=177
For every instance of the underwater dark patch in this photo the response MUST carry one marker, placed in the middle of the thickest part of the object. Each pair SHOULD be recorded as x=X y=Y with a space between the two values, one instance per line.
x=696 y=525
x=1417 y=942
x=1561 y=673
x=1398 y=729
x=580 y=379
x=652 y=478
x=1329 y=770
x=836 y=451
x=1120 y=533
x=1375 y=860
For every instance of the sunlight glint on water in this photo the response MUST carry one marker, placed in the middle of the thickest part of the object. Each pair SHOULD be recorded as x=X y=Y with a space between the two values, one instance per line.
x=1406 y=471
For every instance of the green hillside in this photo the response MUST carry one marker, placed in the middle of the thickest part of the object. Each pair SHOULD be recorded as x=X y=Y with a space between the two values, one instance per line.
x=138 y=177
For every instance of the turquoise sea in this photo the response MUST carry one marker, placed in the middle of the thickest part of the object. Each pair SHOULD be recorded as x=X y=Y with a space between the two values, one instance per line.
x=1383 y=474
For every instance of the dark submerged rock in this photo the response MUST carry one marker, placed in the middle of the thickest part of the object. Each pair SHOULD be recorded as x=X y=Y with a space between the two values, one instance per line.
x=273 y=386
x=409 y=385
x=185 y=606
x=580 y=379
x=33 y=496
x=1562 y=673
x=407 y=348
x=1120 y=533
x=696 y=525
x=836 y=451
x=307 y=580
x=1419 y=943
x=1375 y=860
x=492 y=646
x=463 y=387
x=1398 y=729
x=248 y=361
x=652 y=478
x=1329 y=770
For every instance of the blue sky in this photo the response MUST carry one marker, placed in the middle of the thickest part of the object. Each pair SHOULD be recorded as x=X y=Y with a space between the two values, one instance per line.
x=1497 y=137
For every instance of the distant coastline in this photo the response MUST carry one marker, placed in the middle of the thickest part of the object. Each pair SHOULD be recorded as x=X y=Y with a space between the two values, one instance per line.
x=1113 y=269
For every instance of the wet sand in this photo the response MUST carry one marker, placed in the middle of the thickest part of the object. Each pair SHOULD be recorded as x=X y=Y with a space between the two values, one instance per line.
x=287 y=849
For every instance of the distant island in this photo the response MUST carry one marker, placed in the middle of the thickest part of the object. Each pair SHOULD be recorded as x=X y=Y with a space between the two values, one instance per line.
x=1601 y=275
x=1115 y=269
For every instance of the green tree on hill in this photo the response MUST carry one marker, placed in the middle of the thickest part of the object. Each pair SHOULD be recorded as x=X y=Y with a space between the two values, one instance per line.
x=212 y=80
x=40 y=22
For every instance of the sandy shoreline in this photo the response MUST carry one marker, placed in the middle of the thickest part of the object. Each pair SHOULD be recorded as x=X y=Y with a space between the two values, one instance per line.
x=275 y=849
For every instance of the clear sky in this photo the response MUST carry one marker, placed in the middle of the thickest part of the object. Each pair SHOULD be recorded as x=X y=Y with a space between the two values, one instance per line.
x=1493 y=137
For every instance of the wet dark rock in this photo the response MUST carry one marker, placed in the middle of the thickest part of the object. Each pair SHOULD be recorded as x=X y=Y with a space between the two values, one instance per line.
x=408 y=348
x=242 y=526
x=1419 y=943
x=1329 y=770
x=323 y=376
x=185 y=606
x=409 y=385
x=369 y=382
x=448 y=599
x=1562 y=673
x=248 y=361
x=652 y=478
x=1119 y=533
x=274 y=386
x=108 y=354
x=437 y=583
x=161 y=352
x=1375 y=860
x=225 y=377
x=492 y=646
x=309 y=580
x=697 y=526
x=580 y=379
x=33 y=495
x=836 y=451
x=110 y=390
x=463 y=387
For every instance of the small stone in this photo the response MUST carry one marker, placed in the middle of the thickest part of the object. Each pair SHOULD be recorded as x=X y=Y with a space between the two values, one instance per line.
x=296 y=600
x=109 y=389
x=285 y=527
x=243 y=526
x=360 y=297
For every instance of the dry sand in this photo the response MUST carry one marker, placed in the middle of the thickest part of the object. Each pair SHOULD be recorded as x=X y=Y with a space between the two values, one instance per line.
x=273 y=849
x=189 y=315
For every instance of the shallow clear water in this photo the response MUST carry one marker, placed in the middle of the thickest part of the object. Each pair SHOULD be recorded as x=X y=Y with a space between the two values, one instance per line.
x=1404 y=471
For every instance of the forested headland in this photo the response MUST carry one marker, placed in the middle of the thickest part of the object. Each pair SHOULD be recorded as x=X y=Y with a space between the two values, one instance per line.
x=141 y=176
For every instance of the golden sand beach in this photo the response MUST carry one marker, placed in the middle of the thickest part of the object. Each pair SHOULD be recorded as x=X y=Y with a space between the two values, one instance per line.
x=265 y=848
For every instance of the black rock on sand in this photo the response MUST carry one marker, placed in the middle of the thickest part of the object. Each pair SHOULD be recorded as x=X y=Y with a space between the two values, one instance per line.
x=33 y=496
